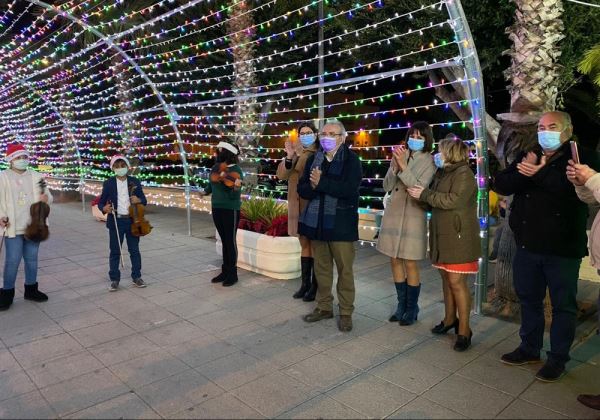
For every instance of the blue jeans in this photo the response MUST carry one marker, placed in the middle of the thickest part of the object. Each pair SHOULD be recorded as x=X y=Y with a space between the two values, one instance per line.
x=18 y=248
x=532 y=273
x=133 y=246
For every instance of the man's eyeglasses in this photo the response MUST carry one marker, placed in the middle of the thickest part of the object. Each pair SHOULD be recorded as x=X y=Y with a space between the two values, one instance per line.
x=329 y=134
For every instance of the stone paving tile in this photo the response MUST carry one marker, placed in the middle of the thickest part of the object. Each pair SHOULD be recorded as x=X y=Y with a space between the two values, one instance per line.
x=469 y=398
x=123 y=349
x=495 y=374
x=280 y=351
x=14 y=383
x=440 y=354
x=102 y=333
x=371 y=396
x=235 y=369
x=247 y=335
x=148 y=318
x=202 y=350
x=218 y=321
x=410 y=374
x=322 y=407
x=173 y=334
x=520 y=409
x=27 y=406
x=48 y=348
x=192 y=306
x=274 y=394
x=422 y=408
x=178 y=392
x=394 y=337
x=84 y=319
x=148 y=368
x=127 y=406
x=322 y=372
x=226 y=406
x=361 y=353
x=7 y=362
x=84 y=391
x=63 y=368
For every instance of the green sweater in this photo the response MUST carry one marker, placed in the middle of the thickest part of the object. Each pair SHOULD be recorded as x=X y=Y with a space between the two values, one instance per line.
x=224 y=197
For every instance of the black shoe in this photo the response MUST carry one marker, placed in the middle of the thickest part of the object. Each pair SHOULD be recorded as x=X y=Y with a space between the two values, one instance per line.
x=307 y=265
x=550 y=372
x=312 y=292
x=441 y=328
x=32 y=293
x=231 y=276
x=463 y=342
x=519 y=358
x=394 y=318
x=218 y=279
x=6 y=298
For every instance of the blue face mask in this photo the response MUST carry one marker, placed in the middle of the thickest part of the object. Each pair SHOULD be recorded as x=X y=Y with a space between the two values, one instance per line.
x=416 y=145
x=438 y=160
x=307 y=140
x=328 y=143
x=549 y=140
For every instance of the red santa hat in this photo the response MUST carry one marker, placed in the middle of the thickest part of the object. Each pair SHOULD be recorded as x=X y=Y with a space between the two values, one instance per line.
x=119 y=157
x=15 y=150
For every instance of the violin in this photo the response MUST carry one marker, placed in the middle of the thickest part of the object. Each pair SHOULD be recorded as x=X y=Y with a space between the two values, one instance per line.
x=224 y=175
x=37 y=231
x=139 y=225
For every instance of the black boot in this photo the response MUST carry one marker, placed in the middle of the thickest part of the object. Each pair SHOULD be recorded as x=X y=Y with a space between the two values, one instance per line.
x=231 y=277
x=312 y=291
x=412 y=305
x=401 y=308
x=32 y=293
x=220 y=277
x=306 y=264
x=6 y=298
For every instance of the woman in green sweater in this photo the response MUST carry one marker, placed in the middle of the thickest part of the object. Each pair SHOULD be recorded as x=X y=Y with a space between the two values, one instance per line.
x=225 y=182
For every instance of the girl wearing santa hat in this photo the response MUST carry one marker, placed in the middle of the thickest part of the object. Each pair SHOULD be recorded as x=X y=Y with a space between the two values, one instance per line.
x=19 y=189
x=118 y=192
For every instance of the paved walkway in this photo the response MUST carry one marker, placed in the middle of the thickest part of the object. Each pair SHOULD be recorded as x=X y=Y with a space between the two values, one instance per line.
x=186 y=348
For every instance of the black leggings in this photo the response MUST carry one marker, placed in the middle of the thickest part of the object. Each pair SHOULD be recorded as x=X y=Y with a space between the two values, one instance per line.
x=226 y=222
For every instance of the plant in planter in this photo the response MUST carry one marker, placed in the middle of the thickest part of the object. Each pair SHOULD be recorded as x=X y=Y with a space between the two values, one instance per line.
x=263 y=243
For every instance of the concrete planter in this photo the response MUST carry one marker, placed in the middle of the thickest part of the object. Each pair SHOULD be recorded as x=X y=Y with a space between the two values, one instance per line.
x=275 y=257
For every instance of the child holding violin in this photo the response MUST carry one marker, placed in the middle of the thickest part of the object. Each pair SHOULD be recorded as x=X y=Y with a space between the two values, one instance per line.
x=20 y=187
x=118 y=193
x=225 y=182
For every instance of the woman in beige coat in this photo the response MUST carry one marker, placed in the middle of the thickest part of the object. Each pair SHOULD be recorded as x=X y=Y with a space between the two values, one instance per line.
x=403 y=232
x=453 y=234
x=290 y=169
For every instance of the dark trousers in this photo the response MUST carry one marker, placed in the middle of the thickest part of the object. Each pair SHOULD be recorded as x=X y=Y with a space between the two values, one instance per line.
x=133 y=246
x=532 y=274
x=226 y=222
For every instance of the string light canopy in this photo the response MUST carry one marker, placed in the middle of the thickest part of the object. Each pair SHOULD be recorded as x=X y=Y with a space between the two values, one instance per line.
x=164 y=81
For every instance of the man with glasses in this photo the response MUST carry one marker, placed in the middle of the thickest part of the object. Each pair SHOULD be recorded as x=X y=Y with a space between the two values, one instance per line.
x=330 y=183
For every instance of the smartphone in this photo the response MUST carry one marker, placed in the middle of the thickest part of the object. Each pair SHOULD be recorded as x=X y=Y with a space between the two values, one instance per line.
x=574 y=152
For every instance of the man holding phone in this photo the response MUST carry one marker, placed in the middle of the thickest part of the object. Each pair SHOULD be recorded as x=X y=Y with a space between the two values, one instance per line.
x=549 y=224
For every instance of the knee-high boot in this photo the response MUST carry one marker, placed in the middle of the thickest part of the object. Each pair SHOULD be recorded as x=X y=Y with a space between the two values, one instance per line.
x=312 y=291
x=401 y=308
x=306 y=266
x=412 y=305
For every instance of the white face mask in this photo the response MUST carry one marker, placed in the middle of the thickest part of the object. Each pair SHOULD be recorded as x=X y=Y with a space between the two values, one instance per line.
x=21 y=164
x=120 y=171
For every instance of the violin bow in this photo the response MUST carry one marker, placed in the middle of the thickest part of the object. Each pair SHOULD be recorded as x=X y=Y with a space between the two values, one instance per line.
x=118 y=238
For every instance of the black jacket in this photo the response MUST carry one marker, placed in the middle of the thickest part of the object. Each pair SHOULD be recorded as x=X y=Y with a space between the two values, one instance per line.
x=546 y=216
x=110 y=195
x=345 y=188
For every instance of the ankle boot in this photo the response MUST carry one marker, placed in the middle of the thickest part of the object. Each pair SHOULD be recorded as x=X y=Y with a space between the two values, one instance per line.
x=401 y=308
x=306 y=264
x=32 y=293
x=6 y=298
x=220 y=277
x=412 y=307
x=312 y=291
x=231 y=277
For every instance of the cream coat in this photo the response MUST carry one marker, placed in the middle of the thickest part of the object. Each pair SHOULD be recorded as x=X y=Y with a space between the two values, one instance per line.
x=590 y=194
x=7 y=205
x=403 y=232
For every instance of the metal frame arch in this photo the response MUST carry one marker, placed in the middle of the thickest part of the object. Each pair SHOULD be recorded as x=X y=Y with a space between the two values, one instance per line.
x=472 y=69
x=167 y=108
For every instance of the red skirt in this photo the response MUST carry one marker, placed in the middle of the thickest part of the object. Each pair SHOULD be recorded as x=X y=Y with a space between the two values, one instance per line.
x=461 y=268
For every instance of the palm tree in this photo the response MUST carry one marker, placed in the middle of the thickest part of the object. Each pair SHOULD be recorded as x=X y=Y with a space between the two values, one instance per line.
x=590 y=65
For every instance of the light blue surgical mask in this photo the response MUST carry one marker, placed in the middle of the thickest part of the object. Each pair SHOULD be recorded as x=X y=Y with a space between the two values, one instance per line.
x=328 y=143
x=307 y=140
x=438 y=160
x=416 y=145
x=120 y=171
x=549 y=140
x=21 y=164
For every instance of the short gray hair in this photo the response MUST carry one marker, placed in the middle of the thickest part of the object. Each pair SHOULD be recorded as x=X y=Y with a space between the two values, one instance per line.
x=335 y=121
x=563 y=115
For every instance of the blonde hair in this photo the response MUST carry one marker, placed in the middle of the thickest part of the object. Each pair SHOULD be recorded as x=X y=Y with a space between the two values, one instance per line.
x=454 y=150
